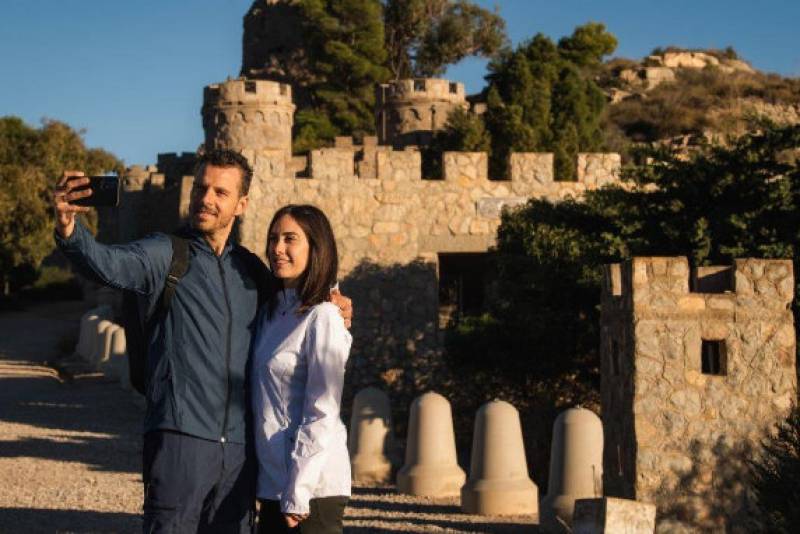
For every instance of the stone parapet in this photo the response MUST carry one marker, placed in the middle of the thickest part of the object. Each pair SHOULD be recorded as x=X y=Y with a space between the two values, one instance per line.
x=531 y=173
x=665 y=287
x=243 y=92
x=420 y=90
x=409 y=111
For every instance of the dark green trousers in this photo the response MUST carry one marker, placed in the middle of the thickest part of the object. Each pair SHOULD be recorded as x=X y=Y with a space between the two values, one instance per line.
x=325 y=518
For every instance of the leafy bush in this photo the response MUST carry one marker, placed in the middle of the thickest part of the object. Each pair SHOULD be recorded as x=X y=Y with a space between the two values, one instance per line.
x=775 y=475
x=31 y=161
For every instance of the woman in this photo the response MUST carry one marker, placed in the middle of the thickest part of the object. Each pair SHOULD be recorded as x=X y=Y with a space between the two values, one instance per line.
x=299 y=359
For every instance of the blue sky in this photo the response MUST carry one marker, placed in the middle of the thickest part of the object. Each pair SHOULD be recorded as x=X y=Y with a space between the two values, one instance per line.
x=132 y=73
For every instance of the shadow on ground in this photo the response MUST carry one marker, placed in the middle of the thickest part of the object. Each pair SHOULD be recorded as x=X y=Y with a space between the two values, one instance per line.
x=89 y=420
x=38 y=520
x=381 y=510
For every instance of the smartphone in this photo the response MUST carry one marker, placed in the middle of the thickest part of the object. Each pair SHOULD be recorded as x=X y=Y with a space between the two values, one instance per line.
x=105 y=192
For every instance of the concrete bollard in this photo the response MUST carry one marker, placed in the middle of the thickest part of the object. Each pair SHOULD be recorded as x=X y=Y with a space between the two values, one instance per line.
x=498 y=481
x=99 y=348
x=431 y=467
x=611 y=515
x=84 y=346
x=576 y=466
x=117 y=354
x=106 y=341
x=371 y=439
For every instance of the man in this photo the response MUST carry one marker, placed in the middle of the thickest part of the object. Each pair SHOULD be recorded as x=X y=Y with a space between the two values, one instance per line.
x=198 y=472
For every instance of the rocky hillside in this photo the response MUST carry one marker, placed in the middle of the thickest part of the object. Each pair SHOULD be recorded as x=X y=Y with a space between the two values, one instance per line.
x=684 y=97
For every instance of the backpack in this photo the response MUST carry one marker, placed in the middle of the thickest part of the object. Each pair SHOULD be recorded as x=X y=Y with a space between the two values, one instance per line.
x=139 y=325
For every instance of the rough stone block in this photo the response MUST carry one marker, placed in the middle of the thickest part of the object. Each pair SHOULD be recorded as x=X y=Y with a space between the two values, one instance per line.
x=610 y=515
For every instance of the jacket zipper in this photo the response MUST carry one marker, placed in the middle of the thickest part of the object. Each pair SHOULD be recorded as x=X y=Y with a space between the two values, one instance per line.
x=222 y=438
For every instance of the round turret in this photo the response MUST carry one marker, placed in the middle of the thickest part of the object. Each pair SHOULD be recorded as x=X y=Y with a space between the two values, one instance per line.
x=248 y=114
x=409 y=111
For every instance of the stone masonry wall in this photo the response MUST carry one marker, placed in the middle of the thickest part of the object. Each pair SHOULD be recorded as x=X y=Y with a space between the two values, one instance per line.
x=391 y=223
x=677 y=435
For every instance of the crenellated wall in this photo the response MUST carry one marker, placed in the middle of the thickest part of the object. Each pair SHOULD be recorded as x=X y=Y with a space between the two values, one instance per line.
x=153 y=198
x=464 y=206
x=697 y=367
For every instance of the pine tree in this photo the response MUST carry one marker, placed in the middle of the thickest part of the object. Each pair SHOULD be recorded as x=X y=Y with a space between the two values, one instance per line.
x=542 y=98
x=346 y=48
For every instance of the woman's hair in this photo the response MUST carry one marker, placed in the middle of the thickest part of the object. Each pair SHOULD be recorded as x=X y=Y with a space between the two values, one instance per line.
x=315 y=283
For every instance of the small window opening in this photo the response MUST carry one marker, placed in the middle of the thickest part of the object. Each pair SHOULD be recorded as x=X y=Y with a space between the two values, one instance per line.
x=284 y=89
x=615 y=358
x=454 y=88
x=419 y=85
x=714 y=357
x=249 y=87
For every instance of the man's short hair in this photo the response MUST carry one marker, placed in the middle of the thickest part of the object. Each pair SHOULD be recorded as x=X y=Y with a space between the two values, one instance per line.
x=223 y=157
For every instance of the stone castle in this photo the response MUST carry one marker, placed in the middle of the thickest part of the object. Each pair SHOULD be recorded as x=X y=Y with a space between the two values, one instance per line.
x=696 y=365
x=412 y=249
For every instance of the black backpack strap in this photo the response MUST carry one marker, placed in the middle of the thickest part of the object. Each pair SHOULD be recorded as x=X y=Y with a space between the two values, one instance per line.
x=138 y=325
x=177 y=268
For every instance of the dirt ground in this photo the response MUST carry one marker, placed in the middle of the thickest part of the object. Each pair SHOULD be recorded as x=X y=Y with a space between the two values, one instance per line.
x=70 y=450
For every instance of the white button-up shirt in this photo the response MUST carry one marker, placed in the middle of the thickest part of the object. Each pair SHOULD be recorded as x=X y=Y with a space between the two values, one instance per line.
x=297 y=379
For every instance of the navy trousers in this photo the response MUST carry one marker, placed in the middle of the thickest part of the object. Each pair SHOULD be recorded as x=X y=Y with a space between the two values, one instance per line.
x=193 y=485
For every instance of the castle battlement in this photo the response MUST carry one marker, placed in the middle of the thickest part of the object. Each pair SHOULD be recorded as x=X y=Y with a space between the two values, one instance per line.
x=409 y=111
x=533 y=171
x=667 y=286
x=418 y=90
x=240 y=92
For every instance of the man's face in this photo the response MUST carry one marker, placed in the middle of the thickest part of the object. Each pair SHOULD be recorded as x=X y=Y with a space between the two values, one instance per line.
x=216 y=199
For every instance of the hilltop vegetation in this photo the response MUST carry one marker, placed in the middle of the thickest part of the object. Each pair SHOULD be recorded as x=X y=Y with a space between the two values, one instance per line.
x=710 y=103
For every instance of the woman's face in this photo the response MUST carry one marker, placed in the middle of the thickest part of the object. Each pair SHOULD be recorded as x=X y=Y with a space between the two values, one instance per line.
x=287 y=250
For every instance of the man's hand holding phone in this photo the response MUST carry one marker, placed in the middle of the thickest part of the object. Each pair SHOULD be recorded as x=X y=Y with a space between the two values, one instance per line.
x=76 y=192
x=64 y=197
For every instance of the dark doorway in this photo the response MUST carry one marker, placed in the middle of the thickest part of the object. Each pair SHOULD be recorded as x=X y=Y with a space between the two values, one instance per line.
x=462 y=285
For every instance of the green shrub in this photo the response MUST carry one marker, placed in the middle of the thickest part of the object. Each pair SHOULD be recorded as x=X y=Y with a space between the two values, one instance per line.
x=775 y=475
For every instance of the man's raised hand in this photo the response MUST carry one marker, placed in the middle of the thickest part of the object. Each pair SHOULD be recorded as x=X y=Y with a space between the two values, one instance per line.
x=345 y=306
x=63 y=195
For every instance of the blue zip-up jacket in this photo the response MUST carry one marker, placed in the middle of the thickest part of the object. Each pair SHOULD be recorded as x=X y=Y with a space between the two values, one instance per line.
x=197 y=357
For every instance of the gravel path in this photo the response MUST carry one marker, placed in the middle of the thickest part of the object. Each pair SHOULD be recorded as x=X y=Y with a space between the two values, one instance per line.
x=70 y=451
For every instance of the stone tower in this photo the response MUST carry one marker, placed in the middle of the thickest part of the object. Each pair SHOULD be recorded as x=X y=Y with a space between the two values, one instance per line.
x=248 y=114
x=693 y=376
x=409 y=111
x=253 y=117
